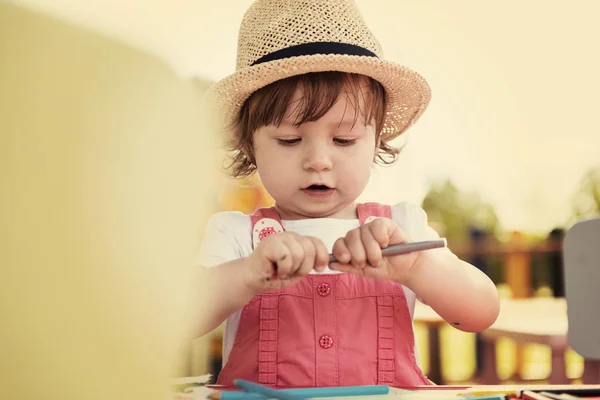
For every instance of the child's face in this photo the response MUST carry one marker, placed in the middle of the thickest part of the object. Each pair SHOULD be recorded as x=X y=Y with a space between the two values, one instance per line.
x=319 y=168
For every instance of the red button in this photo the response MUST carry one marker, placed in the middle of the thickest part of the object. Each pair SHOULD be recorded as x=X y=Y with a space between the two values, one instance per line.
x=326 y=341
x=324 y=289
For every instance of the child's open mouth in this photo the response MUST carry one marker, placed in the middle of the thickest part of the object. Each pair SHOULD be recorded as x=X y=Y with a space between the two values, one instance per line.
x=318 y=190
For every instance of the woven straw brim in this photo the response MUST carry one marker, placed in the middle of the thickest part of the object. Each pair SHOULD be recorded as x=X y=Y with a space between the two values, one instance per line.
x=408 y=94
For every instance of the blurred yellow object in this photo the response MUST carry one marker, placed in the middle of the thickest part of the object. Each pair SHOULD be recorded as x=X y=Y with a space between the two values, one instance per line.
x=244 y=195
x=105 y=161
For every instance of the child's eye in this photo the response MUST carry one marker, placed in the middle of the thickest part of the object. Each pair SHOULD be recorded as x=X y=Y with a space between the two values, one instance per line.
x=288 y=142
x=344 y=142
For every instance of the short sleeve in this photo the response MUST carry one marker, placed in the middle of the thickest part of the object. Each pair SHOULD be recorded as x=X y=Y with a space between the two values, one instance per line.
x=413 y=220
x=226 y=238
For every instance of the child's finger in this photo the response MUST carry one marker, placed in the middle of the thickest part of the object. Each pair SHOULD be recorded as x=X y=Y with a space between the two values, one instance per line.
x=340 y=251
x=308 y=261
x=297 y=256
x=321 y=254
x=381 y=229
x=396 y=234
x=371 y=246
x=278 y=256
x=357 y=250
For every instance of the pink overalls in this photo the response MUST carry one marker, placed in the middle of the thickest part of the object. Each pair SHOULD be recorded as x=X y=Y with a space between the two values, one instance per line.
x=327 y=330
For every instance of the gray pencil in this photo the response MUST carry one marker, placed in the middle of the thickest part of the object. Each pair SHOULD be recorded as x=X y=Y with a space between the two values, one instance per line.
x=404 y=248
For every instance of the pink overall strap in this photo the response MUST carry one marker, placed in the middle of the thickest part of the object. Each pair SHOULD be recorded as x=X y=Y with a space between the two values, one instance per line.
x=266 y=222
x=367 y=212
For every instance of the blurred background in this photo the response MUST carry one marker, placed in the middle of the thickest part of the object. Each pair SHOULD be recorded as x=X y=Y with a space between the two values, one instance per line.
x=109 y=169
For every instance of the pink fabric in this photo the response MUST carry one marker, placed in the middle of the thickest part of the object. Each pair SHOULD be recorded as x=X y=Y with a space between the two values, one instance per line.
x=327 y=330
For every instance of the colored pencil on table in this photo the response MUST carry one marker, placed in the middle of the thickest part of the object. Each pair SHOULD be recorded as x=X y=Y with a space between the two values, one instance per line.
x=306 y=393
x=265 y=391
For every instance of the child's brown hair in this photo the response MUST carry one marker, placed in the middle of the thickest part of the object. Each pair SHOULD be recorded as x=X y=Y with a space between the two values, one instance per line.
x=268 y=106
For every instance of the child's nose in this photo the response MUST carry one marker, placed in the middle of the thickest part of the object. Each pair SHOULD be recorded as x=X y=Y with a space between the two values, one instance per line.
x=317 y=159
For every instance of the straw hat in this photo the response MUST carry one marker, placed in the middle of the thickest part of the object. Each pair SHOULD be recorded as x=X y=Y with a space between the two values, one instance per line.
x=282 y=38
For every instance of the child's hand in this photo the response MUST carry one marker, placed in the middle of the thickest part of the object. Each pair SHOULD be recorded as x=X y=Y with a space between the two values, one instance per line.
x=283 y=259
x=359 y=252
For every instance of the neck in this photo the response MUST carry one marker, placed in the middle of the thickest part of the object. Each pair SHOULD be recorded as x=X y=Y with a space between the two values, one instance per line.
x=348 y=212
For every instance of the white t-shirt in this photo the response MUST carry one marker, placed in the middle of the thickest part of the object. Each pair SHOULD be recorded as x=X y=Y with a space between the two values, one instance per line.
x=228 y=237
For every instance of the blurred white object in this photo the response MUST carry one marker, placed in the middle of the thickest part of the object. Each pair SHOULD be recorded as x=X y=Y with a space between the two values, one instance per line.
x=581 y=254
x=202 y=379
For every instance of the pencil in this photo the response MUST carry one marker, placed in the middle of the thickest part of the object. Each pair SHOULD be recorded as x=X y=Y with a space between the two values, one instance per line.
x=306 y=393
x=531 y=395
x=560 y=396
x=404 y=248
x=265 y=391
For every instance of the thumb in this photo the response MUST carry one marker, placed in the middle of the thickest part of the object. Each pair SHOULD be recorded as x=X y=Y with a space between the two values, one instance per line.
x=397 y=235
